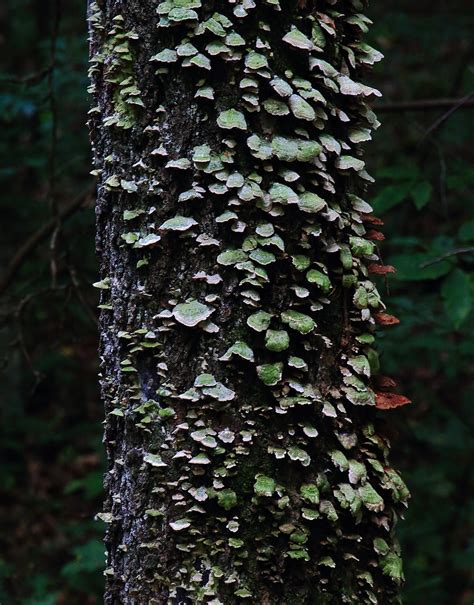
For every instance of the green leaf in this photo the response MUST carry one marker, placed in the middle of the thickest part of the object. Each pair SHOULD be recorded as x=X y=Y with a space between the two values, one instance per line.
x=421 y=194
x=88 y=557
x=457 y=296
x=466 y=232
x=410 y=266
x=389 y=197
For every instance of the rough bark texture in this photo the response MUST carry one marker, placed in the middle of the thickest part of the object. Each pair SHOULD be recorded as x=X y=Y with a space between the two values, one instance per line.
x=238 y=315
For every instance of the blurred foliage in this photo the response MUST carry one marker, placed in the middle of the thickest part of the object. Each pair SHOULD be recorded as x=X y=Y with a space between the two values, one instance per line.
x=51 y=461
x=424 y=170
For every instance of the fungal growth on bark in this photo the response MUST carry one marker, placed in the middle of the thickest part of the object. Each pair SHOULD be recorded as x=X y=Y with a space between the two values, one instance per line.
x=239 y=371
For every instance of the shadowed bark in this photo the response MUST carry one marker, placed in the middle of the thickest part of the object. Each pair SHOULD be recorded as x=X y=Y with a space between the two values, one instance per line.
x=238 y=314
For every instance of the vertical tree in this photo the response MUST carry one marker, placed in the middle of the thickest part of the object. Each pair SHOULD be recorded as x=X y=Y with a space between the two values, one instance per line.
x=238 y=315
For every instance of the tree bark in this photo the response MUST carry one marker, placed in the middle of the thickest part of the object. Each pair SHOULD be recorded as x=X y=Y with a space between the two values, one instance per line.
x=238 y=315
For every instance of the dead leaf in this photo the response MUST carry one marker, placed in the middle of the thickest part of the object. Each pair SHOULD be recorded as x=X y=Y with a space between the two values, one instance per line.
x=387 y=401
x=374 y=235
x=384 y=319
x=385 y=382
x=370 y=218
x=378 y=269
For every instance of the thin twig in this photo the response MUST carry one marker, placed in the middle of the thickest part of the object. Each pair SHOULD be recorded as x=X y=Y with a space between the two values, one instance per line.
x=37 y=237
x=446 y=255
x=32 y=78
x=447 y=115
x=442 y=179
x=423 y=105
x=53 y=106
x=77 y=288
x=18 y=316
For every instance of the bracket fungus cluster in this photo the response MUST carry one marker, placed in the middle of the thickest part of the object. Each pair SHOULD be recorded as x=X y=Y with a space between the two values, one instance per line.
x=239 y=310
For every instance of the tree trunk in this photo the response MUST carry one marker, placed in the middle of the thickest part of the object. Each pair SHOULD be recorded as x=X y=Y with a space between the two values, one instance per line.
x=238 y=315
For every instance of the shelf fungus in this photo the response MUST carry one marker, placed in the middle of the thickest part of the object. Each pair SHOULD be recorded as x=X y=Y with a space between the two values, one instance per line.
x=239 y=305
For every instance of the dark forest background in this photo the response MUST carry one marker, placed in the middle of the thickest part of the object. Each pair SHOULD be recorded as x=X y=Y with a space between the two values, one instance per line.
x=51 y=460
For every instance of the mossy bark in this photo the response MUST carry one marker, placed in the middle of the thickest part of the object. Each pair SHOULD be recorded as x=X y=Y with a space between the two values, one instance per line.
x=238 y=316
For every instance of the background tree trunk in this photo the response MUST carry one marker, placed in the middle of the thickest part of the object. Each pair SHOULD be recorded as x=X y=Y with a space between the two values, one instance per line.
x=237 y=312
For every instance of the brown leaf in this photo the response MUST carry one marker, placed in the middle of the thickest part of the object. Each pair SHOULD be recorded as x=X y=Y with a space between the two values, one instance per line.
x=370 y=218
x=327 y=19
x=374 y=235
x=378 y=269
x=387 y=401
x=385 y=382
x=384 y=319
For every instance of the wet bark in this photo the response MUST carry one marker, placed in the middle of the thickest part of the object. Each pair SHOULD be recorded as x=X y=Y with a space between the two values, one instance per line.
x=237 y=322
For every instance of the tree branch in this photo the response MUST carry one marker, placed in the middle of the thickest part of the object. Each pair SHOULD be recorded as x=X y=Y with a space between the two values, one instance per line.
x=438 y=259
x=37 y=237
x=440 y=121
x=424 y=105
